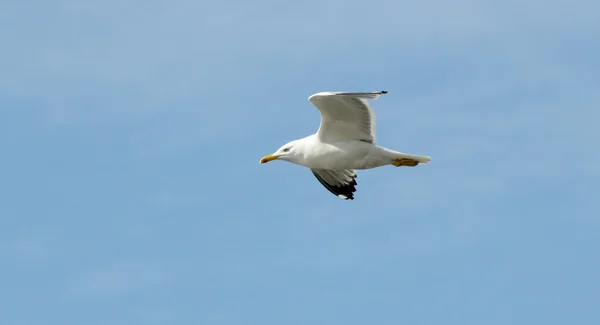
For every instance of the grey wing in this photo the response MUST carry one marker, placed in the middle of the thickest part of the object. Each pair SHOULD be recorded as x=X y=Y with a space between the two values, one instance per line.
x=346 y=115
x=341 y=183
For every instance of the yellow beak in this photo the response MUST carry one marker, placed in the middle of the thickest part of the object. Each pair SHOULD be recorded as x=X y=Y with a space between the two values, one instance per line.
x=268 y=158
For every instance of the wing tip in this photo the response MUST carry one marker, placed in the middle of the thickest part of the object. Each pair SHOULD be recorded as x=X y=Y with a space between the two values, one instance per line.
x=345 y=191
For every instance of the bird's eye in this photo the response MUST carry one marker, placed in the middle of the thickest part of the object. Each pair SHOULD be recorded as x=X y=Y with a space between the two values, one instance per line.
x=286 y=149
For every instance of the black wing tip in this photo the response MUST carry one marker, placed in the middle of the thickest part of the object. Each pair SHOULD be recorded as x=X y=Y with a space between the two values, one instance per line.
x=384 y=91
x=351 y=197
x=345 y=192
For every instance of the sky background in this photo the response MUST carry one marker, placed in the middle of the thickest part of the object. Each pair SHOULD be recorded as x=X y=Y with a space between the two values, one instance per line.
x=130 y=134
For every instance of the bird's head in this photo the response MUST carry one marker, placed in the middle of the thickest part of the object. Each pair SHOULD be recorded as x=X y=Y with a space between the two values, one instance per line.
x=291 y=151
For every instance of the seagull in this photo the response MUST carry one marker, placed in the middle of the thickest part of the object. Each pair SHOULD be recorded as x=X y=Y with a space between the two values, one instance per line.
x=344 y=143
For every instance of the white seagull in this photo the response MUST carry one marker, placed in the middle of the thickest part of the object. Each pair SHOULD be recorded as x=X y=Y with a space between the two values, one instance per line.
x=344 y=143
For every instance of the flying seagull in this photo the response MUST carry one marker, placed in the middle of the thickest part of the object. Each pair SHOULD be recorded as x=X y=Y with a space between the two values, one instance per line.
x=344 y=143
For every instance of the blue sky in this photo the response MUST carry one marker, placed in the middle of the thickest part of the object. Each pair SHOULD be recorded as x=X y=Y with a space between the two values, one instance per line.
x=131 y=133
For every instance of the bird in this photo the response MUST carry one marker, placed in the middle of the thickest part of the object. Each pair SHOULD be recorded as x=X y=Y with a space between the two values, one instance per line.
x=344 y=143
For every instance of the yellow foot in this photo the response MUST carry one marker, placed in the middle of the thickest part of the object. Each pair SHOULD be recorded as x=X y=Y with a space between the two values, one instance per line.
x=405 y=162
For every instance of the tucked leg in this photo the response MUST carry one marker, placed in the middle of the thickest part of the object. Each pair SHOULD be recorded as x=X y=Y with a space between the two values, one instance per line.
x=405 y=162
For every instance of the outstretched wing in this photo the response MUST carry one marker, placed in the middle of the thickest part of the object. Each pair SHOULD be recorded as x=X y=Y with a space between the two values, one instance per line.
x=346 y=115
x=341 y=183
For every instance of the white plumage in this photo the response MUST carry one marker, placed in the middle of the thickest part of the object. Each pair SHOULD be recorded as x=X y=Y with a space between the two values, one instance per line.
x=344 y=142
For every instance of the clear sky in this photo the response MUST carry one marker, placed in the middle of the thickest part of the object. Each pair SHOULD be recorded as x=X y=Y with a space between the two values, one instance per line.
x=130 y=134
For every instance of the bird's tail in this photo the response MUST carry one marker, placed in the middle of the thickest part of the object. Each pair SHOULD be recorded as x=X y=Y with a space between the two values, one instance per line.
x=404 y=159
